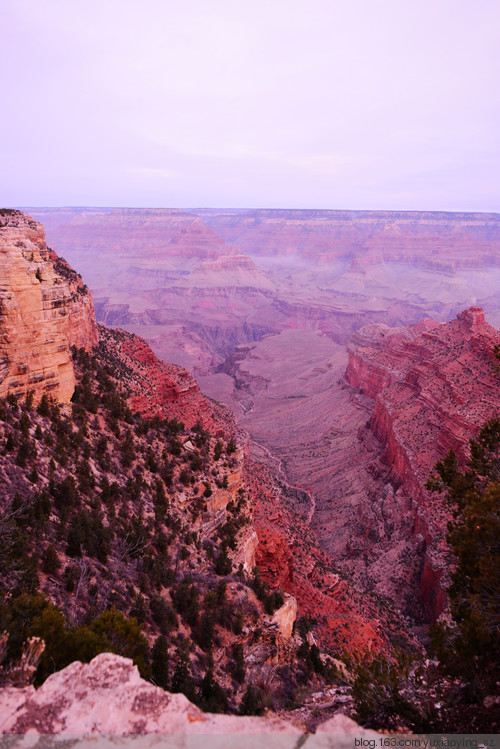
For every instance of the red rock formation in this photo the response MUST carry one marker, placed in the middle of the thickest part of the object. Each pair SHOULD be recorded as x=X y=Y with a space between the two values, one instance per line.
x=433 y=386
x=289 y=557
x=45 y=308
x=157 y=388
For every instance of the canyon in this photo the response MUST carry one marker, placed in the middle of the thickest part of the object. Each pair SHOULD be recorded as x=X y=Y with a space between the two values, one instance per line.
x=285 y=382
x=129 y=493
x=197 y=283
x=260 y=306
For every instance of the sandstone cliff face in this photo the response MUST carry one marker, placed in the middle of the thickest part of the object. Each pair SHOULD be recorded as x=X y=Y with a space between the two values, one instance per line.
x=433 y=387
x=44 y=309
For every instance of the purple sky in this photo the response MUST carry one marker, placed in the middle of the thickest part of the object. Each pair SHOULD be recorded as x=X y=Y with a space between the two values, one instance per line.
x=251 y=103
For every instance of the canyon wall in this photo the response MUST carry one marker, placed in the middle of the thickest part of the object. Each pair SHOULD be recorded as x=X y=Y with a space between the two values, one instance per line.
x=197 y=283
x=433 y=386
x=44 y=310
x=438 y=240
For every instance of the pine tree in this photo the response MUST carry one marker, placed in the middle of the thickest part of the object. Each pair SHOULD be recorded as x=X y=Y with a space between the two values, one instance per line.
x=212 y=697
x=182 y=681
x=160 y=662
x=474 y=535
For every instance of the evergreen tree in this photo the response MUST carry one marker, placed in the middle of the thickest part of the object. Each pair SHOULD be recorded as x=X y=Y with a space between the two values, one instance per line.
x=474 y=535
x=182 y=680
x=160 y=662
x=212 y=697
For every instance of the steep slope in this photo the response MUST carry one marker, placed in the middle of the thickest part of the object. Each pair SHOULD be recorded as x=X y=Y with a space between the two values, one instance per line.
x=44 y=309
x=434 y=385
x=356 y=451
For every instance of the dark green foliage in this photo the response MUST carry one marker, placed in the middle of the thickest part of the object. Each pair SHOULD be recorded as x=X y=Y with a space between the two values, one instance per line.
x=182 y=680
x=86 y=480
x=206 y=630
x=254 y=701
x=271 y=601
x=43 y=407
x=474 y=535
x=23 y=453
x=160 y=662
x=163 y=615
x=128 y=450
x=28 y=615
x=385 y=693
x=223 y=565
x=212 y=697
x=9 y=443
x=42 y=505
x=86 y=532
x=50 y=560
x=218 y=450
x=66 y=496
x=239 y=667
x=123 y=636
x=138 y=610
x=72 y=575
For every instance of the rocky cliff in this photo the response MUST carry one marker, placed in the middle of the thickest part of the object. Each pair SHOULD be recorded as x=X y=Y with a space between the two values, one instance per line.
x=433 y=386
x=157 y=388
x=108 y=697
x=44 y=309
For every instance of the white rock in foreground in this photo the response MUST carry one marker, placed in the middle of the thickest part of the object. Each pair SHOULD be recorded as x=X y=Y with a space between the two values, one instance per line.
x=107 y=697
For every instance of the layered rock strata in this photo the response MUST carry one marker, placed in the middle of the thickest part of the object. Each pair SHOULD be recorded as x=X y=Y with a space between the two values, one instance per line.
x=44 y=310
x=433 y=386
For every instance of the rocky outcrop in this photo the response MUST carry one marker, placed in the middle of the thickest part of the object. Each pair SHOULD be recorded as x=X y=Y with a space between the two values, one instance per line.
x=157 y=388
x=285 y=616
x=108 y=697
x=289 y=557
x=433 y=386
x=44 y=309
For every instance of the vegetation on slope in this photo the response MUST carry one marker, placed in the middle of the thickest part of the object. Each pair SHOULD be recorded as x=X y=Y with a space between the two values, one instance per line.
x=460 y=687
x=107 y=545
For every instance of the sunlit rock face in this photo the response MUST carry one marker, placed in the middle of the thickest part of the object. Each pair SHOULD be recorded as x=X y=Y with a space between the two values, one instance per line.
x=44 y=310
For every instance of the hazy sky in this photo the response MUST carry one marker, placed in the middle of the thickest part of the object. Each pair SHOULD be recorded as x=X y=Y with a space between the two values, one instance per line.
x=275 y=103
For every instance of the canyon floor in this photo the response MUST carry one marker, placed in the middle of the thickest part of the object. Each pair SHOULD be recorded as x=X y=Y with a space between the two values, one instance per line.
x=305 y=422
